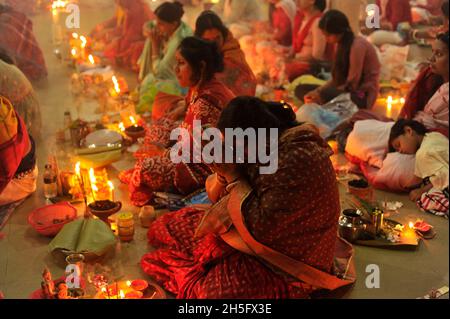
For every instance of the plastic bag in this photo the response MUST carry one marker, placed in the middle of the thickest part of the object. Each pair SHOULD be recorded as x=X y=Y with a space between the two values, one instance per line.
x=328 y=116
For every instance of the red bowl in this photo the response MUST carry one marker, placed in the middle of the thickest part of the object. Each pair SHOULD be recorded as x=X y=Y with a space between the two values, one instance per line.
x=49 y=220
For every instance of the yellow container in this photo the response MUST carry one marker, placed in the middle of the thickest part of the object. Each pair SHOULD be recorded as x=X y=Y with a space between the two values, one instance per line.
x=125 y=225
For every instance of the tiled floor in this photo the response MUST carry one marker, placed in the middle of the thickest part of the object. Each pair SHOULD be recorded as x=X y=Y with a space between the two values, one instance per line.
x=23 y=253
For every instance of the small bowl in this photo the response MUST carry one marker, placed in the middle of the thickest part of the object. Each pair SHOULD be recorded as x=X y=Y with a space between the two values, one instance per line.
x=104 y=214
x=135 y=132
x=49 y=220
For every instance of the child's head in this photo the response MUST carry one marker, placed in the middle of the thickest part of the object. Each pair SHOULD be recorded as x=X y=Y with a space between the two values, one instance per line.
x=406 y=136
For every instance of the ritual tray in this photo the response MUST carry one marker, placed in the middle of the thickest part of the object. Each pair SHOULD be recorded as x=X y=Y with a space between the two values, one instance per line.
x=409 y=240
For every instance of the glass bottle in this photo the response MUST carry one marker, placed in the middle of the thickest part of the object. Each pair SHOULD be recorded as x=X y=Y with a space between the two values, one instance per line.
x=50 y=183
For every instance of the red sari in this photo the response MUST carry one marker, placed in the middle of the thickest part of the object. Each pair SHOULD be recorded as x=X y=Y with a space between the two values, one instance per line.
x=421 y=91
x=18 y=40
x=397 y=11
x=159 y=173
x=127 y=49
x=303 y=226
x=237 y=76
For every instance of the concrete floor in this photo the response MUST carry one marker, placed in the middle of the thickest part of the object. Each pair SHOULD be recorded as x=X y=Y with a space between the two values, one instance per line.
x=23 y=253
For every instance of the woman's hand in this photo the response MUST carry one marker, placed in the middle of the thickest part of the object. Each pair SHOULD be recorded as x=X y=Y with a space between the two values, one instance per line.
x=416 y=194
x=178 y=112
x=228 y=171
x=313 y=97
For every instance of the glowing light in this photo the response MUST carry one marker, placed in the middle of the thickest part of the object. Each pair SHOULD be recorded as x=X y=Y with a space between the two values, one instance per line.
x=121 y=294
x=133 y=121
x=411 y=225
x=110 y=185
x=74 y=52
x=77 y=168
x=389 y=99
x=116 y=84
x=83 y=41
x=58 y=4
x=92 y=177
x=91 y=59
x=121 y=126
x=75 y=35
x=402 y=100
x=129 y=283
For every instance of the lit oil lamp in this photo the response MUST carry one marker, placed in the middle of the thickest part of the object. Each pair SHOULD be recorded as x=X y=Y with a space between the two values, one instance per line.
x=134 y=131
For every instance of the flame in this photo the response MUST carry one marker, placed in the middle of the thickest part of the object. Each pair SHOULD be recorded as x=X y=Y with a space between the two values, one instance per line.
x=116 y=84
x=121 y=294
x=402 y=100
x=75 y=35
x=103 y=289
x=411 y=225
x=83 y=41
x=129 y=283
x=121 y=126
x=94 y=187
x=110 y=185
x=133 y=121
x=77 y=168
x=389 y=99
x=91 y=59
x=74 y=51
x=92 y=177
x=57 y=4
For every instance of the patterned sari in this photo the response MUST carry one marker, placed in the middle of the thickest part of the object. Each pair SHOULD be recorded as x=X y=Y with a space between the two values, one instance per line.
x=18 y=90
x=129 y=46
x=156 y=172
x=301 y=227
x=237 y=76
x=19 y=42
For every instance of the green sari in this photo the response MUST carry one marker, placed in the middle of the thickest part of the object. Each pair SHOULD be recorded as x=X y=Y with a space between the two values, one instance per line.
x=158 y=75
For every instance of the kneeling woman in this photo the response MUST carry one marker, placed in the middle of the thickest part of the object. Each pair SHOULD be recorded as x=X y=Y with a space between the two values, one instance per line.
x=210 y=254
x=197 y=63
x=18 y=171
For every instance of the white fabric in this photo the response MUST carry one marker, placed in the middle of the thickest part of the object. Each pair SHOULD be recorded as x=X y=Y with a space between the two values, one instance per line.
x=396 y=172
x=369 y=141
x=18 y=189
x=432 y=160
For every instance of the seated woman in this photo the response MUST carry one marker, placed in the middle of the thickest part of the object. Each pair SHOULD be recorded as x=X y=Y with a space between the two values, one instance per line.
x=237 y=74
x=238 y=15
x=15 y=86
x=157 y=61
x=18 y=41
x=198 y=62
x=425 y=12
x=366 y=144
x=431 y=168
x=124 y=41
x=18 y=170
x=282 y=16
x=356 y=67
x=395 y=12
x=309 y=42
x=209 y=254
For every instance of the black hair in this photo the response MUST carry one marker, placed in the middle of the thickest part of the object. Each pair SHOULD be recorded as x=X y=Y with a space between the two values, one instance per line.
x=200 y=53
x=399 y=129
x=170 y=12
x=335 y=22
x=320 y=5
x=444 y=37
x=5 y=57
x=444 y=8
x=251 y=112
x=209 y=20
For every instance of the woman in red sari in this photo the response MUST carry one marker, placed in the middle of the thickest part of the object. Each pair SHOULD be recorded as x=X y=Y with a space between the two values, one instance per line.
x=197 y=63
x=309 y=45
x=18 y=41
x=237 y=76
x=126 y=48
x=212 y=254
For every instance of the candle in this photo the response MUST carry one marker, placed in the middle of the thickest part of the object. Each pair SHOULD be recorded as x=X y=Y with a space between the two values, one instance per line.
x=133 y=121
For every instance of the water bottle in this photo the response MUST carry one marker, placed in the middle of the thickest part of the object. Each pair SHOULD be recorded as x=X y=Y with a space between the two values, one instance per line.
x=50 y=183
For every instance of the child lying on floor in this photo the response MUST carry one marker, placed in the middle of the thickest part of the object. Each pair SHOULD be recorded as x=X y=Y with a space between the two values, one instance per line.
x=432 y=158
